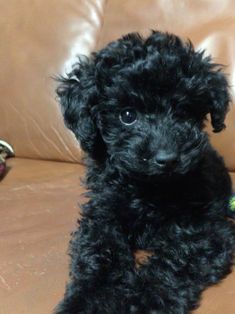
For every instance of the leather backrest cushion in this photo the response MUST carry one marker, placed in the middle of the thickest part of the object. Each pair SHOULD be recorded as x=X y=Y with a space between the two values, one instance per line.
x=40 y=39
x=209 y=24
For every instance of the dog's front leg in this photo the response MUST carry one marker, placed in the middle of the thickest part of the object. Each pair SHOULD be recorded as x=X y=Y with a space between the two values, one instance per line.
x=100 y=257
x=186 y=259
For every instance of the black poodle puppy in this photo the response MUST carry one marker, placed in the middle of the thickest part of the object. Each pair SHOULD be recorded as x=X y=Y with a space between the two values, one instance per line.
x=138 y=108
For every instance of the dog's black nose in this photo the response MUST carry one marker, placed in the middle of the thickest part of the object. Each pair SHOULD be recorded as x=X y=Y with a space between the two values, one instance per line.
x=166 y=159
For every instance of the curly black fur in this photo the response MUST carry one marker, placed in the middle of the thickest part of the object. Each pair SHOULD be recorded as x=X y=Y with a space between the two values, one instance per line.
x=154 y=181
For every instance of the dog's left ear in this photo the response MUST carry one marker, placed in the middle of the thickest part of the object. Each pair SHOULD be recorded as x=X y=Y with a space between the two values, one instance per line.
x=218 y=89
x=78 y=98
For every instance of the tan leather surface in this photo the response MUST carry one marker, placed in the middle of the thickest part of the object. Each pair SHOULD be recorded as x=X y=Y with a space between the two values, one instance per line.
x=38 y=207
x=40 y=39
x=209 y=24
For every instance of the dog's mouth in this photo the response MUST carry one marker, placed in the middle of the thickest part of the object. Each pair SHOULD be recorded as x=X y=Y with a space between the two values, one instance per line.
x=150 y=171
x=162 y=172
x=154 y=176
x=153 y=171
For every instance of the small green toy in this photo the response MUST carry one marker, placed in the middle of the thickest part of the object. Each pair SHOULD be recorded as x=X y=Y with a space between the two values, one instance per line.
x=232 y=203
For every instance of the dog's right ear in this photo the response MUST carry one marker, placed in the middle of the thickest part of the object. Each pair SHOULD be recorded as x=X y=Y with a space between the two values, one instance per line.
x=77 y=95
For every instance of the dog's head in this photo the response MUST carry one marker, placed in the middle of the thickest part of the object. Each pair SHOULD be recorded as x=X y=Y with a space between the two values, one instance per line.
x=141 y=103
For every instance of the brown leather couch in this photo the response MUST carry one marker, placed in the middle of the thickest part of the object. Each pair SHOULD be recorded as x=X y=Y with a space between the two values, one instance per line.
x=40 y=192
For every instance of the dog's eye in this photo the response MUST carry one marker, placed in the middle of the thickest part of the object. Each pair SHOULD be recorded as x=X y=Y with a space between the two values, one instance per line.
x=128 y=116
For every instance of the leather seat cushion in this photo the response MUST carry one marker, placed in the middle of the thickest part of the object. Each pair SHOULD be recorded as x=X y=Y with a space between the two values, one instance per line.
x=38 y=212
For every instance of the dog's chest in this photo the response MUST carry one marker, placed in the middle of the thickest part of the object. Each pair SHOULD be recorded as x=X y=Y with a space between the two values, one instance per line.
x=154 y=203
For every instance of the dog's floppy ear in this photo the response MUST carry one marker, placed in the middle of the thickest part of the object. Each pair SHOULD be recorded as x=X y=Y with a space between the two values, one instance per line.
x=77 y=95
x=219 y=97
x=211 y=85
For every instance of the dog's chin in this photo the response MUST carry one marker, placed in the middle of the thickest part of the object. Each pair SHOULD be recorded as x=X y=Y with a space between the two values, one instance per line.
x=158 y=173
